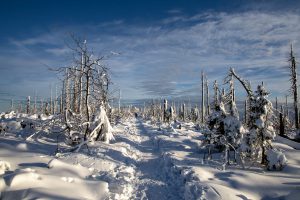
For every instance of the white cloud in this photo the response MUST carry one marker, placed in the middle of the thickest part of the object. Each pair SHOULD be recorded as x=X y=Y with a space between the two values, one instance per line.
x=155 y=57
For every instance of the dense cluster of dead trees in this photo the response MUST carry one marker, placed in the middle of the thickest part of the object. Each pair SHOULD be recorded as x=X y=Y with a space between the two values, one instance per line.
x=180 y=110
x=85 y=87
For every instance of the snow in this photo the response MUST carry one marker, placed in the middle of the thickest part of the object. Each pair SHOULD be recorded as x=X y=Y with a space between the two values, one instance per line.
x=276 y=159
x=106 y=129
x=144 y=161
x=4 y=166
x=291 y=143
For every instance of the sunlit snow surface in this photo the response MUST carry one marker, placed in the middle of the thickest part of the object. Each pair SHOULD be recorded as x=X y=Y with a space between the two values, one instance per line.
x=143 y=162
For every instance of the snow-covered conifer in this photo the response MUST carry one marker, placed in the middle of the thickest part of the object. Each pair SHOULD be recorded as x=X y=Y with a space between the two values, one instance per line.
x=261 y=132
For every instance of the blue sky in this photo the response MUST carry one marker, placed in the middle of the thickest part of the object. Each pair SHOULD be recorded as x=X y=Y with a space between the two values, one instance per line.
x=163 y=45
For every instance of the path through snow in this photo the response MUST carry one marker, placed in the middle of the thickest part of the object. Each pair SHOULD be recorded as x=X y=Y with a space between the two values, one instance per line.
x=150 y=180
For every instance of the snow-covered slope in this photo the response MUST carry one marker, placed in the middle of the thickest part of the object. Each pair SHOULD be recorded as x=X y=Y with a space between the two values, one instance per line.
x=143 y=162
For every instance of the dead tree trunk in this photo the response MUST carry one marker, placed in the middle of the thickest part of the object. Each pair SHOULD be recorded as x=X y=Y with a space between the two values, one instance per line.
x=12 y=105
x=75 y=91
x=34 y=105
x=245 y=112
x=119 y=103
x=20 y=107
x=207 y=97
x=286 y=107
x=276 y=104
x=165 y=110
x=42 y=106
x=67 y=90
x=183 y=112
x=281 y=124
x=87 y=95
x=55 y=101
x=51 y=100
x=80 y=101
x=294 y=86
x=61 y=108
x=216 y=94
x=203 y=103
x=28 y=105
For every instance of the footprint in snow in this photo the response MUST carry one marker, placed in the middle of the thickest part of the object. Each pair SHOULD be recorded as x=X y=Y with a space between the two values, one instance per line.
x=68 y=179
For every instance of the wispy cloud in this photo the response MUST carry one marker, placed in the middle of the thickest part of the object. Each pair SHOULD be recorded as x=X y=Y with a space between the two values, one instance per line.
x=166 y=57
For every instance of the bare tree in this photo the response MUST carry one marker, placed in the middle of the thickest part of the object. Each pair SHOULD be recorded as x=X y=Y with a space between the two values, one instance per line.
x=294 y=86
x=34 y=105
x=119 y=103
x=75 y=91
x=12 y=105
x=42 y=106
x=85 y=88
x=202 y=99
x=20 y=107
x=207 y=97
x=165 y=110
x=28 y=105
x=67 y=89
x=51 y=100
x=216 y=94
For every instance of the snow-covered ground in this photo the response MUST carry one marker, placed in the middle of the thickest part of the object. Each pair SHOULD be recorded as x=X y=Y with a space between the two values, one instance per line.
x=143 y=162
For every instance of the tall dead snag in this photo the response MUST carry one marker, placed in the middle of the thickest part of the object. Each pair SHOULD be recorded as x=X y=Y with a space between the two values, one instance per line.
x=165 y=113
x=47 y=109
x=28 y=105
x=216 y=94
x=87 y=92
x=294 y=86
x=245 y=112
x=67 y=89
x=61 y=107
x=12 y=105
x=207 y=97
x=230 y=97
x=202 y=98
x=51 y=100
x=119 y=103
x=55 y=101
x=182 y=111
x=75 y=90
x=286 y=107
x=20 y=107
x=80 y=84
x=34 y=105
x=276 y=104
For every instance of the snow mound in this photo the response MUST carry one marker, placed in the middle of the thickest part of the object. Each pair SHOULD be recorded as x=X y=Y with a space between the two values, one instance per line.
x=22 y=147
x=101 y=127
x=4 y=166
x=65 y=169
x=12 y=126
x=17 y=179
x=120 y=182
x=31 y=185
x=8 y=115
x=276 y=159
x=68 y=179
